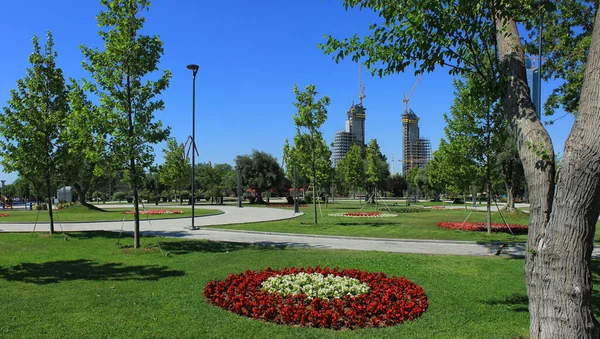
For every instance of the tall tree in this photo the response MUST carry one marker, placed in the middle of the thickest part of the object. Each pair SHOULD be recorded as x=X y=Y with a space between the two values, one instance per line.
x=352 y=168
x=260 y=171
x=127 y=96
x=377 y=168
x=85 y=133
x=310 y=152
x=564 y=210
x=176 y=169
x=34 y=120
x=475 y=120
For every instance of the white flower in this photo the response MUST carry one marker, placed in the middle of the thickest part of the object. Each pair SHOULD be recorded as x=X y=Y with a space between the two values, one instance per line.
x=315 y=285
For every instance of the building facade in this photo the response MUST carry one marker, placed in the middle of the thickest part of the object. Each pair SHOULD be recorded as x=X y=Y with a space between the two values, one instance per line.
x=416 y=151
x=533 y=82
x=354 y=134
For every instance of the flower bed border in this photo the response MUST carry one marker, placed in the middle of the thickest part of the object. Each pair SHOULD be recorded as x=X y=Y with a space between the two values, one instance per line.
x=391 y=300
x=482 y=227
x=363 y=215
x=156 y=212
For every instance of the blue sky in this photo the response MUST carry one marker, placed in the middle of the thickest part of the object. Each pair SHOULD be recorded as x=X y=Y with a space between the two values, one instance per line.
x=250 y=53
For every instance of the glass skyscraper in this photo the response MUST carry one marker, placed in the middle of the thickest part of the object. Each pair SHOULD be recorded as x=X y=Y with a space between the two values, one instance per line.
x=532 y=81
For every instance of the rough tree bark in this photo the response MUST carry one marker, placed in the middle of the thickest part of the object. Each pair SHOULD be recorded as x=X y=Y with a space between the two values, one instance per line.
x=564 y=212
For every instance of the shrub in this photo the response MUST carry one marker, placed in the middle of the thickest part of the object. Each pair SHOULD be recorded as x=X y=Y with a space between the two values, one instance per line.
x=37 y=207
x=398 y=209
x=119 y=196
x=184 y=195
x=290 y=200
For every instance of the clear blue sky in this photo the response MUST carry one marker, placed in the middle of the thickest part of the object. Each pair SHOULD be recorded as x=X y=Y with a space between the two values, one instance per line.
x=250 y=53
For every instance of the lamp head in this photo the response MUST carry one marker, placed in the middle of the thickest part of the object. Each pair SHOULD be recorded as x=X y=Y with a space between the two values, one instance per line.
x=192 y=67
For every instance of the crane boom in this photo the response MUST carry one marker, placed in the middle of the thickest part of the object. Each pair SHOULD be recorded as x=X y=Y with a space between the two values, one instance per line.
x=407 y=98
x=361 y=89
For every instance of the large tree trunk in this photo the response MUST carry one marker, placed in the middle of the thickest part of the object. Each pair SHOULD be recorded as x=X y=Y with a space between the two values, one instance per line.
x=562 y=224
x=81 y=193
x=510 y=198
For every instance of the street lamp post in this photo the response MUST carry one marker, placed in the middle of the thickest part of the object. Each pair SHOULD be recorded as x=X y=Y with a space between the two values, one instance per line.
x=194 y=69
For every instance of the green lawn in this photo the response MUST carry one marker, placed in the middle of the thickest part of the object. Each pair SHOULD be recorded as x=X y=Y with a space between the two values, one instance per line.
x=80 y=213
x=406 y=226
x=89 y=286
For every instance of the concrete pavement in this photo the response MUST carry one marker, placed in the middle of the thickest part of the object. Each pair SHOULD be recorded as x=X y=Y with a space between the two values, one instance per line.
x=231 y=214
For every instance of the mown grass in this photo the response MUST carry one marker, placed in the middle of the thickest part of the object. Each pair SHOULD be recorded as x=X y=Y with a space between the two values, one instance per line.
x=78 y=213
x=91 y=287
x=421 y=225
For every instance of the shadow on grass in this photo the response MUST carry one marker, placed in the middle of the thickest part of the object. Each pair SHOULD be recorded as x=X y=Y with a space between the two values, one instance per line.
x=53 y=272
x=510 y=248
x=516 y=302
x=205 y=246
x=98 y=234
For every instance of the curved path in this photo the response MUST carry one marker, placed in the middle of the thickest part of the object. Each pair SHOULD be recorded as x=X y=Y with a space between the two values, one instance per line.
x=234 y=215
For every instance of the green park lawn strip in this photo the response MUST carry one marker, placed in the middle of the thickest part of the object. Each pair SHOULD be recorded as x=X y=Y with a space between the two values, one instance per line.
x=422 y=225
x=79 y=213
x=95 y=286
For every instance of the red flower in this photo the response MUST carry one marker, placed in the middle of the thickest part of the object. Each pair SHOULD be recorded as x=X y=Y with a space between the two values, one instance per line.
x=391 y=300
x=482 y=226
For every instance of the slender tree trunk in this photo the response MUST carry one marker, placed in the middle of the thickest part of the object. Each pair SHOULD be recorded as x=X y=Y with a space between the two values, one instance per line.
x=562 y=214
x=50 y=197
x=314 y=172
x=133 y=169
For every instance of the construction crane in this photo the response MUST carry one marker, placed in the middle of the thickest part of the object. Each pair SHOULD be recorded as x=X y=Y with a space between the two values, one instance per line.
x=361 y=89
x=407 y=98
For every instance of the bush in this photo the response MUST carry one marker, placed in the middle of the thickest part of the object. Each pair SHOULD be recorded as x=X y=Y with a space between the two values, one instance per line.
x=129 y=199
x=119 y=196
x=308 y=199
x=458 y=201
x=185 y=195
x=290 y=200
x=38 y=207
x=397 y=209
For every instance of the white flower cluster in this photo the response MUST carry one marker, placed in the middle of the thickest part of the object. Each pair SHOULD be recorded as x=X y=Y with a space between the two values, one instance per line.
x=382 y=215
x=315 y=285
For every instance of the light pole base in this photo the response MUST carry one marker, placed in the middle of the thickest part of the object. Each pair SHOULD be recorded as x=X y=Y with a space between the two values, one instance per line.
x=192 y=228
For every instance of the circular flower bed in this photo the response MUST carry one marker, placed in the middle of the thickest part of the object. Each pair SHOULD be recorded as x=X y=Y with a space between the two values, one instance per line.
x=156 y=212
x=355 y=298
x=363 y=215
x=482 y=226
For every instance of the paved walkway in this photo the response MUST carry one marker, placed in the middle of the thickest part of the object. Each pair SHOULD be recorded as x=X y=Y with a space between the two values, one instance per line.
x=231 y=214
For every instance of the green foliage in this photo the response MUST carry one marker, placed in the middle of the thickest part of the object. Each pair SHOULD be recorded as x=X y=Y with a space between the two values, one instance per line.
x=121 y=78
x=566 y=36
x=119 y=196
x=377 y=166
x=260 y=171
x=34 y=121
x=310 y=154
x=409 y=209
x=352 y=168
x=175 y=172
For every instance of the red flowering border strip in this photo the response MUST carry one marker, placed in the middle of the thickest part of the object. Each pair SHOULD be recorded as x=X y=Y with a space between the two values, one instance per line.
x=156 y=212
x=285 y=205
x=482 y=226
x=446 y=208
x=4 y=215
x=391 y=300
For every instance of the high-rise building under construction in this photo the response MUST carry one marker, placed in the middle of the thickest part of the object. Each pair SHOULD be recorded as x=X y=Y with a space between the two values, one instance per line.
x=416 y=151
x=354 y=134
